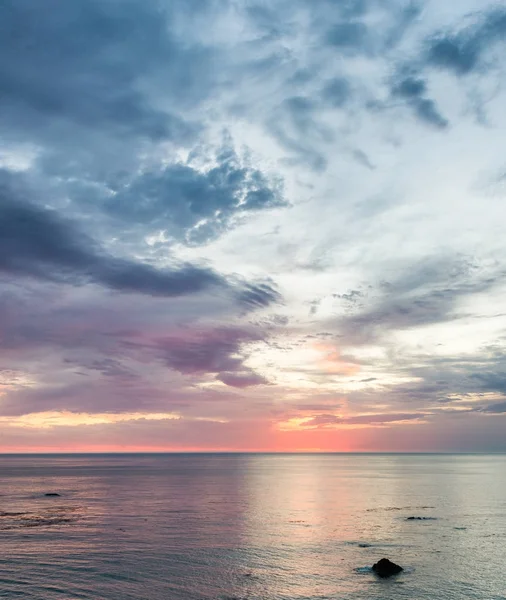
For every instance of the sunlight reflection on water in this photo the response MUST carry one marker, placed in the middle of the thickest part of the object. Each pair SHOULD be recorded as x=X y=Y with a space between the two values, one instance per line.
x=260 y=527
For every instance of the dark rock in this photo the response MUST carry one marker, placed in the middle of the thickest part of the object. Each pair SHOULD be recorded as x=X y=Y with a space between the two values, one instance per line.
x=421 y=519
x=364 y=545
x=386 y=568
x=52 y=495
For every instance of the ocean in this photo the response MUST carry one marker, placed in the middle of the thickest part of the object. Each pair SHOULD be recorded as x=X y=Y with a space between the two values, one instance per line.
x=252 y=526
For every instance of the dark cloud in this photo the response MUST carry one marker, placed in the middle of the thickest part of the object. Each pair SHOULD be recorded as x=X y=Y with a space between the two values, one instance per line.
x=123 y=396
x=86 y=63
x=123 y=78
x=258 y=295
x=497 y=408
x=37 y=242
x=462 y=52
x=413 y=91
x=348 y=35
x=109 y=357
x=195 y=206
x=337 y=92
x=450 y=54
x=242 y=379
x=217 y=351
x=108 y=367
x=490 y=381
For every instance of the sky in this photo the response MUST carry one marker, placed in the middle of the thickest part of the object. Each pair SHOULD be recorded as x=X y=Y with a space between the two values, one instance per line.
x=252 y=225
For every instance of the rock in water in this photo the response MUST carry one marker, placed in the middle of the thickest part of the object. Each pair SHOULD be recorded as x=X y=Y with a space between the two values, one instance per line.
x=386 y=568
x=52 y=495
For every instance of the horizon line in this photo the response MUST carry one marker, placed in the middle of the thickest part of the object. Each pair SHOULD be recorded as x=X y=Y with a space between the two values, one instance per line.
x=276 y=452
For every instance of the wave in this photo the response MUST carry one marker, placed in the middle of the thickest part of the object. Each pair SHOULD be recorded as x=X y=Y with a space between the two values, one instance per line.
x=47 y=517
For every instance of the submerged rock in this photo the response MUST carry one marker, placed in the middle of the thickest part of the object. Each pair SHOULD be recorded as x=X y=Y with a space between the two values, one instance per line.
x=420 y=518
x=52 y=495
x=386 y=568
x=364 y=545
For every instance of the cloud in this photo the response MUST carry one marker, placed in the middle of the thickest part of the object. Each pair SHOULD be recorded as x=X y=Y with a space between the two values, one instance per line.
x=497 y=408
x=151 y=151
x=294 y=125
x=378 y=419
x=413 y=91
x=91 y=397
x=87 y=63
x=258 y=295
x=425 y=294
x=241 y=379
x=195 y=206
x=491 y=381
x=337 y=92
x=455 y=383
x=217 y=351
x=37 y=242
x=348 y=36
x=462 y=52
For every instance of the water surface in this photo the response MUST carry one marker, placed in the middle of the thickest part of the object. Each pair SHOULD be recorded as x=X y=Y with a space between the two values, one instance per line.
x=252 y=526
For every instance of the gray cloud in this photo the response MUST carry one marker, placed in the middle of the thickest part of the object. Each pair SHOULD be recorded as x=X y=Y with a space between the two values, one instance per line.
x=241 y=379
x=348 y=36
x=497 y=408
x=413 y=91
x=195 y=206
x=490 y=380
x=36 y=242
x=113 y=111
x=85 y=63
x=295 y=126
x=337 y=92
x=125 y=395
x=258 y=295
x=462 y=52
x=124 y=78
x=211 y=351
x=349 y=9
x=425 y=294
x=352 y=34
x=437 y=381
x=326 y=419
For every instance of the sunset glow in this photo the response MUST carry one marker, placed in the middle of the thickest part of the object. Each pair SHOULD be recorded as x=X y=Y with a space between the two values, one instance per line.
x=237 y=227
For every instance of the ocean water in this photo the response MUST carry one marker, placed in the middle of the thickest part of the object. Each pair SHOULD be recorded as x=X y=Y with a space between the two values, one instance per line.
x=252 y=526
